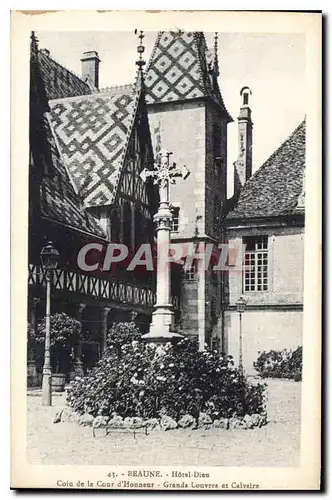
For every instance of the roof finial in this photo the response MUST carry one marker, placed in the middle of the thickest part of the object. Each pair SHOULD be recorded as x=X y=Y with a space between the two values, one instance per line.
x=140 y=49
x=34 y=44
x=140 y=62
x=216 y=64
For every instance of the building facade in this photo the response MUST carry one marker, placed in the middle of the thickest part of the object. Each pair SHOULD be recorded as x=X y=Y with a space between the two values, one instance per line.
x=88 y=147
x=267 y=220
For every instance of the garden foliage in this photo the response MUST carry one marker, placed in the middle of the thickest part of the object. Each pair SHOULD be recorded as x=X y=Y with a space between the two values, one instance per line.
x=65 y=334
x=280 y=364
x=135 y=379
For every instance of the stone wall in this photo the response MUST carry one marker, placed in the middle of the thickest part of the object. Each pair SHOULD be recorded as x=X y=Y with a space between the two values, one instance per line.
x=273 y=318
x=262 y=331
x=215 y=174
x=182 y=130
x=285 y=267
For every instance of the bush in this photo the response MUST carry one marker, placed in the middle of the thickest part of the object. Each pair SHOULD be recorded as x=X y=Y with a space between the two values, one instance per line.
x=280 y=364
x=65 y=333
x=134 y=379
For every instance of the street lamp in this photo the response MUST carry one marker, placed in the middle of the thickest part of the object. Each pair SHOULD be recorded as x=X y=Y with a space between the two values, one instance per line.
x=241 y=307
x=49 y=257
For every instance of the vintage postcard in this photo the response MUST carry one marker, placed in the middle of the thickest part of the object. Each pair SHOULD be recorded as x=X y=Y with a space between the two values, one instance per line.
x=166 y=235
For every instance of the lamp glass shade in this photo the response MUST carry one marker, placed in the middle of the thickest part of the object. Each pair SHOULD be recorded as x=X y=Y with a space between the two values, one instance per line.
x=241 y=305
x=49 y=256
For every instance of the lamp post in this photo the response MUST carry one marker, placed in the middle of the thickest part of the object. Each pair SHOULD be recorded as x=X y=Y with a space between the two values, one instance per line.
x=49 y=257
x=241 y=307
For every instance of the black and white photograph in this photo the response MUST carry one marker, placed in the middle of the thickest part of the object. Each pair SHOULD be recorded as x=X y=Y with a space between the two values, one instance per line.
x=166 y=224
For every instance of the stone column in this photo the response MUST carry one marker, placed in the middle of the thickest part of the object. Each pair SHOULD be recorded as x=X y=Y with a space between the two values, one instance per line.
x=162 y=326
x=201 y=303
x=104 y=316
x=78 y=365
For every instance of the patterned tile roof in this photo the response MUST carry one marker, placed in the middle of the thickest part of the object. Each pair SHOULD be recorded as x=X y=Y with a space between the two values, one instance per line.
x=277 y=188
x=178 y=70
x=93 y=133
x=59 y=81
x=59 y=201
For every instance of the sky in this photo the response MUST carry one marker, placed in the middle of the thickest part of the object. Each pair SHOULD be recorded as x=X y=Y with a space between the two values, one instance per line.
x=272 y=65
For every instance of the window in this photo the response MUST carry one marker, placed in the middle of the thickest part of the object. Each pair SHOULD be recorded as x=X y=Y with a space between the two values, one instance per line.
x=216 y=214
x=217 y=149
x=256 y=264
x=245 y=99
x=190 y=273
x=175 y=219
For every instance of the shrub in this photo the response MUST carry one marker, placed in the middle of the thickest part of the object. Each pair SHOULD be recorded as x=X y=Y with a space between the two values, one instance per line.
x=134 y=379
x=65 y=333
x=280 y=364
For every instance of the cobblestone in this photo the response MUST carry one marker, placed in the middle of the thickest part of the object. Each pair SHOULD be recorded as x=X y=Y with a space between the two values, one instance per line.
x=277 y=444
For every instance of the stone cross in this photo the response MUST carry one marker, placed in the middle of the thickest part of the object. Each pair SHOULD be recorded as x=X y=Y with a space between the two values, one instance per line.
x=165 y=173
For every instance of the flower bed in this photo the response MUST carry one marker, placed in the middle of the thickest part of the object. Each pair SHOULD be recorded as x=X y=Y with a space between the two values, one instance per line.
x=172 y=384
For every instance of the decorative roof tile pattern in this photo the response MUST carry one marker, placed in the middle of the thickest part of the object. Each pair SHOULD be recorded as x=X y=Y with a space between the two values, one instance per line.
x=177 y=69
x=59 y=81
x=59 y=201
x=93 y=133
x=277 y=188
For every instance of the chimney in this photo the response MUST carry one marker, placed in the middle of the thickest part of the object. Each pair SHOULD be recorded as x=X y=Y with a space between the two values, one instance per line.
x=90 y=67
x=243 y=165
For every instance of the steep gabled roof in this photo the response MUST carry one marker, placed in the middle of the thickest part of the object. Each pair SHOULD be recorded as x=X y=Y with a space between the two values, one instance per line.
x=277 y=188
x=59 y=81
x=178 y=70
x=93 y=133
x=59 y=201
x=52 y=192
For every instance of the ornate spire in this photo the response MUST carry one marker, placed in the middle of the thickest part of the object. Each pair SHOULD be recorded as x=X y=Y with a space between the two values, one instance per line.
x=140 y=61
x=216 y=64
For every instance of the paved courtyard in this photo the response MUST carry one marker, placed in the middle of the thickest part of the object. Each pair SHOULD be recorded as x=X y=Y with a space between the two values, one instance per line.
x=277 y=444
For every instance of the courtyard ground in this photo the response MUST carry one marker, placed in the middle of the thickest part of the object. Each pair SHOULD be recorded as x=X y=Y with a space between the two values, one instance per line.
x=276 y=444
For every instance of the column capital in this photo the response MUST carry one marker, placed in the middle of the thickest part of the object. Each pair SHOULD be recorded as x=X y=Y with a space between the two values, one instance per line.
x=163 y=221
x=133 y=315
x=34 y=301
x=105 y=311
x=80 y=307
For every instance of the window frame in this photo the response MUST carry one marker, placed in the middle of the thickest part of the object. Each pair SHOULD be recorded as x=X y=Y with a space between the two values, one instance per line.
x=190 y=273
x=256 y=264
x=175 y=217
